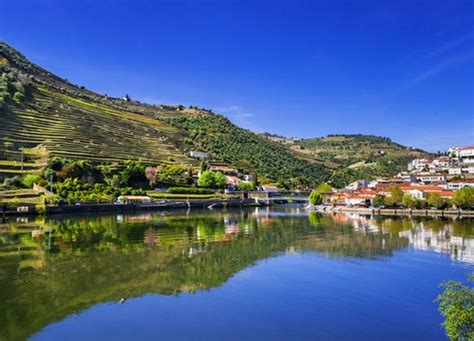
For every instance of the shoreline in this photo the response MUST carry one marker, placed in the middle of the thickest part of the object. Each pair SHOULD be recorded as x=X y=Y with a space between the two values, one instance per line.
x=394 y=212
x=96 y=208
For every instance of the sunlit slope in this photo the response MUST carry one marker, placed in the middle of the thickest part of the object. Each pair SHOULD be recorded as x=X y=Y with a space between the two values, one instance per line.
x=74 y=128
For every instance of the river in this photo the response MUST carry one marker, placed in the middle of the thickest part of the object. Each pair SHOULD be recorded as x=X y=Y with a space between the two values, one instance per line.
x=253 y=274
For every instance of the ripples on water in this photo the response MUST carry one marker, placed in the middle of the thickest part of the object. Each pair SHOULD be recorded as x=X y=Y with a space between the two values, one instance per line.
x=53 y=267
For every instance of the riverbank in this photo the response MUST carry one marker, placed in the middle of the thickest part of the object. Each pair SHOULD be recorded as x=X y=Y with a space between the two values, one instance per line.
x=88 y=208
x=395 y=212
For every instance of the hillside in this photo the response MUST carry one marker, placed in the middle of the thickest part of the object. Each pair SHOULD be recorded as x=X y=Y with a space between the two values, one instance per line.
x=43 y=115
x=353 y=156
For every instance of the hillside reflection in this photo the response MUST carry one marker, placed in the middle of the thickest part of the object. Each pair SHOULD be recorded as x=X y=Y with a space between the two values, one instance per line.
x=52 y=267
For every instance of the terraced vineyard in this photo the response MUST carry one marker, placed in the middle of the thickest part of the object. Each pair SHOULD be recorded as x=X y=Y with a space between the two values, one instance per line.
x=73 y=128
x=21 y=197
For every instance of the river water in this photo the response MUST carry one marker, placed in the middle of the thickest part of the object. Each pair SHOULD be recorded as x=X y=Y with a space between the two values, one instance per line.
x=256 y=274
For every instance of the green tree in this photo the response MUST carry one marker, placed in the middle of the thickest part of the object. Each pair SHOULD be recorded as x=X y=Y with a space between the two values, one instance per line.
x=377 y=201
x=220 y=180
x=456 y=305
x=203 y=166
x=245 y=186
x=464 y=198
x=394 y=197
x=408 y=201
x=207 y=179
x=435 y=200
x=315 y=197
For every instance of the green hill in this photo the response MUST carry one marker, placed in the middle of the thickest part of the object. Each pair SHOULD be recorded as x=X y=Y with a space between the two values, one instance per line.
x=353 y=156
x=42 y=116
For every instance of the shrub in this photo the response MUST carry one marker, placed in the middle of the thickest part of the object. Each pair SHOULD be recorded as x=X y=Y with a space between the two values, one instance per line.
x=211 y=179
x=456 y=304
x=18 y=97
x=30 y=179
x=378 y=201
x=435 y=200
x=464 y=198
x=394 y=197
x=12 y=182
x=245 y=186
x=315 y=197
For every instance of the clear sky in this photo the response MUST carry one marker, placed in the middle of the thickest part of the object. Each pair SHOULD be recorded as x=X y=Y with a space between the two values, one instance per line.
x=402 y=69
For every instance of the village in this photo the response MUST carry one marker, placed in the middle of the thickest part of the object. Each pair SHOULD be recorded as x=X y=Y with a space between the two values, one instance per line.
x=438 y=178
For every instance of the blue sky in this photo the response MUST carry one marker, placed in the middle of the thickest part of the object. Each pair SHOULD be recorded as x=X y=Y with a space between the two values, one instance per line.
x=402 y=69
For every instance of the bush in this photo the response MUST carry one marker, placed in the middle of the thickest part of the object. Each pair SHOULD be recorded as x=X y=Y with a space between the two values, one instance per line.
x=378 y=201
x=464 y=198
x=211 y=179
x=456 y=304
x=394 y=197
x=435 y=200
x=189 y=190
x=245 y=186
x=316 y=198
x=30 y=179
x=12 y=182
x=18 y=97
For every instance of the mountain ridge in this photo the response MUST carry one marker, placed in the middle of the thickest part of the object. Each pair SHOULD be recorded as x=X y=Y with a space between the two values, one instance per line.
x=42 y=110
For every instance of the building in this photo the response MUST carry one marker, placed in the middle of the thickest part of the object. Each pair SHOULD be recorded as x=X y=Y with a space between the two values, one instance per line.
x=232 y=180
x=224 y=169
x=199 y=155
x=357 y=185
x=422 y=191
x=248 y=177
x=466 y=154
x=417 y=165
x=457 y=185
x=429 y=178
x=269 y=188
x=462 y=169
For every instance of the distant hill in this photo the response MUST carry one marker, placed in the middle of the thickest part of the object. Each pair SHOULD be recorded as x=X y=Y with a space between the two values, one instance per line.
x=43 y=115
x=353 y=156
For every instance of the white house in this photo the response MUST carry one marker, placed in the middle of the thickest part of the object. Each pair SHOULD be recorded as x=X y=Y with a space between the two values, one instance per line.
x=455 y=186
x=269 y=188
x=357 y=185
x=199 y=155
x=427 y=178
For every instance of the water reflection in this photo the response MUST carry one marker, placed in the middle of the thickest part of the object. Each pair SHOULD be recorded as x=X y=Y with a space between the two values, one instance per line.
x=52 y=267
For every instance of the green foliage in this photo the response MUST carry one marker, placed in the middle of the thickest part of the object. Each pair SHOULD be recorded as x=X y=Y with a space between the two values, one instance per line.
x=411 y=202
x=133 y=175
x=13 y=182
x=245 y=186
x=456 y=304
x=231 y=144
x=464 y=198
x=18 y=97
x=211 y=179
x=378 y=201
x=220 y=180
x=189 y=190
x=395 y=197
x=169 y=174
x=75 y=191
x=40 y=209
x=30 y=179
x=315 y=197
x=435 y=200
